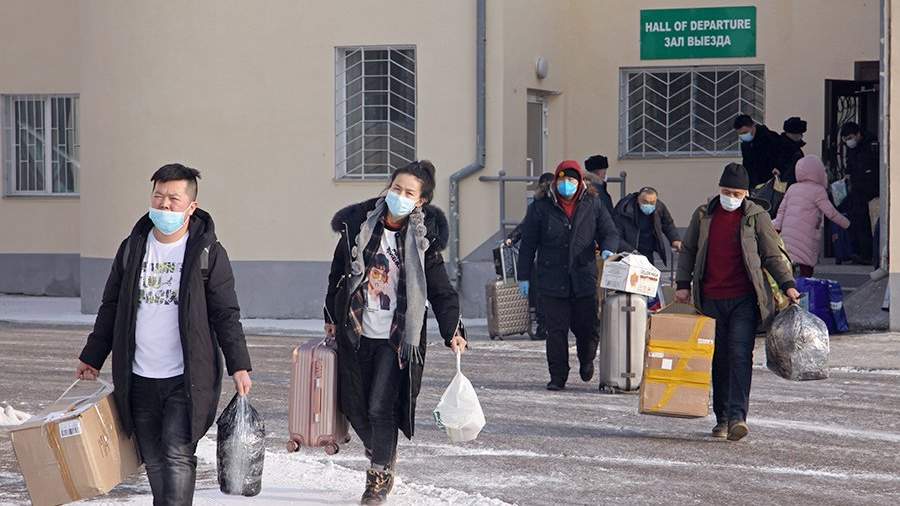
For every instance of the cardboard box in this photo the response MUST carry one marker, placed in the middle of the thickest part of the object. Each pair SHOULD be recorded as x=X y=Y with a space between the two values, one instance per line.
x=630 y=273
x=76 y=448
x=678 y=363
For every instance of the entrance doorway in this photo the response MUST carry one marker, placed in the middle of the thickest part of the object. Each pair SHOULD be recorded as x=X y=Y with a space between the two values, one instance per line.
x=536 y=131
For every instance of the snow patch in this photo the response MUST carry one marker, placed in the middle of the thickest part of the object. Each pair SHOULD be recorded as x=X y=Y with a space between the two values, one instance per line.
x=837 y=430
x=840 y=474
x=10 y=416
x=865 y=370
x=303 y=480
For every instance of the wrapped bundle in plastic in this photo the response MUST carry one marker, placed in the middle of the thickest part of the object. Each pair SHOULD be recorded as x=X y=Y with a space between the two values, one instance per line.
x=241 y=448
x=797 y=345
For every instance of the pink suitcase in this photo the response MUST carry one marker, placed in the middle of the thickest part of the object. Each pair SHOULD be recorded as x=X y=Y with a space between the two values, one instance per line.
x=314 y=415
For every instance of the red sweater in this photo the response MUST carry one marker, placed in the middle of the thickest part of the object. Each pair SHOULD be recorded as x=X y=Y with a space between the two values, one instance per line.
x=726 y=276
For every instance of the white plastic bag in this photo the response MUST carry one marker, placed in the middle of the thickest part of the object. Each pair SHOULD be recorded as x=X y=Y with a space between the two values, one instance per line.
x=839 y=191
x=459 y=412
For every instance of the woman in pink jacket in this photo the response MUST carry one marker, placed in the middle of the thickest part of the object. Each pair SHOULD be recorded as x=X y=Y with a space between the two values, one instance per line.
x=799 y=217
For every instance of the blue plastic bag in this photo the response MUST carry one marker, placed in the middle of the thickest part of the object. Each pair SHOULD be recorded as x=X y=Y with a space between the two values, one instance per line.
x=819 y=300
x=836 y=299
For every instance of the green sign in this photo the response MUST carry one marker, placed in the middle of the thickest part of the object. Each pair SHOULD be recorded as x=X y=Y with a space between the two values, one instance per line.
x=716 y=32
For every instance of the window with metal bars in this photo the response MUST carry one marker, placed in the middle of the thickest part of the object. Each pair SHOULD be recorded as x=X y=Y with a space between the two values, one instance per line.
x=687 y=111
x=40 y=144
x=375 y=112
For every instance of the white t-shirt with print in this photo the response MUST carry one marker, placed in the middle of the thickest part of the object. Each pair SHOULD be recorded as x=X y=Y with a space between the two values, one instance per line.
x=381 y=288
x=158 y=352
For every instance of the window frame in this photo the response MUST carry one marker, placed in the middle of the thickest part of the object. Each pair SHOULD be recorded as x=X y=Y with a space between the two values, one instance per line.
x=624 y=120
x=340 y=114
x=7 y=150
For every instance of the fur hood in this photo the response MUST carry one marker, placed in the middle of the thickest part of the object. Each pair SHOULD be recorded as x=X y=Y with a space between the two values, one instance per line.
x=438 y=229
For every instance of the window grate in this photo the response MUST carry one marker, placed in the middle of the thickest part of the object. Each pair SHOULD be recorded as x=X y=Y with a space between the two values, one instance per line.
x=687 y=111
x=375 y=111
x=40 y=144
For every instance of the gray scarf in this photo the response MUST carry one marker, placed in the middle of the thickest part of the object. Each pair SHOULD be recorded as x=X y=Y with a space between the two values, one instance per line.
x=414 y=247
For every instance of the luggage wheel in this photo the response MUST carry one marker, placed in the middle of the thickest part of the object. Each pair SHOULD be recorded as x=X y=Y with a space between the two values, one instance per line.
x=332 y=448
x=607 y=389
x=293 y=446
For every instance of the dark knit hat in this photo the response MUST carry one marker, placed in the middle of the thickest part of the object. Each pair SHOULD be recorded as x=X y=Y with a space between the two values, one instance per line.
x=596 y=162
x=735 y=176
x=569 y=168
x=794 y=125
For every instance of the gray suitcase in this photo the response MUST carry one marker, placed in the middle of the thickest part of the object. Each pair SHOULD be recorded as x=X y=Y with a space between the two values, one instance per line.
x=507 y=310
x=623 y=334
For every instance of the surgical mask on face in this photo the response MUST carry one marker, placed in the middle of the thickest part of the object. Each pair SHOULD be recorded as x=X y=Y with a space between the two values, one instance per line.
x=746 y=137
x=567 y=188
x=167 y=222
x=398 y=205
x=648 y=208
x=730 y=203
x=851 y=143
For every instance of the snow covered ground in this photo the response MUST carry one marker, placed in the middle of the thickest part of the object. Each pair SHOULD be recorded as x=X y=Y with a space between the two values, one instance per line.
x=822 y=442
x=303 y=479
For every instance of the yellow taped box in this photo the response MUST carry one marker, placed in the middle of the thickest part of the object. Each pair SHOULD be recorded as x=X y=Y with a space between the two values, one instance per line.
x=678 y=363
x=75 y=449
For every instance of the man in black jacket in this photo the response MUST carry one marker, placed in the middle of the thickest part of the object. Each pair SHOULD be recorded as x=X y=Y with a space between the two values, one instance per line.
x=863 y=174
x=645 y=224
x=759 y=148
x=168 y=308
x=598 y=165
x=564 y=230
x=791 y=148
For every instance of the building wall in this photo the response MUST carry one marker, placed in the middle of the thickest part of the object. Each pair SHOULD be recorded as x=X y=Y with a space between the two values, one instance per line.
x=894 y=163
x=245 y=92
x=39 y=54
x=797 y=42
x=247 y=96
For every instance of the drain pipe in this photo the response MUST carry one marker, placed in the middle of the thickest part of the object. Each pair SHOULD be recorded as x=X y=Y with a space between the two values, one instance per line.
x=480 y=156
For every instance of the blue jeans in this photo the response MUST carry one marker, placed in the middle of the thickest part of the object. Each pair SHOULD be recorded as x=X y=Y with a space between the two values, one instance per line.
x=732 y=368
x=161 y=412
x=381 y=377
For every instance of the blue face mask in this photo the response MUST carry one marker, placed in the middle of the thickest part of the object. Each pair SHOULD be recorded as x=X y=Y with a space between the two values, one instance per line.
x=167 y=222
x=398 y=205
x=747 y=137
x=648 y=208
x=567 y=188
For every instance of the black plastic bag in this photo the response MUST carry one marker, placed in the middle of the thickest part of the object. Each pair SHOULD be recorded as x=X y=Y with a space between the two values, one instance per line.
x=772 y=193
x=240 y=448
x=797 y=345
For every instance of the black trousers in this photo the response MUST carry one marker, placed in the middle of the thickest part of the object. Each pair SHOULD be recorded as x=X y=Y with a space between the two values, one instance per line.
x=381 y=377
x=161 y=412
x=860 y=226
x=578 y=314
x=732 y=369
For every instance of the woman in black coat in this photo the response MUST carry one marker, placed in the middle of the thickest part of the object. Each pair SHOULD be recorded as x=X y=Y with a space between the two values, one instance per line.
x=387 y=265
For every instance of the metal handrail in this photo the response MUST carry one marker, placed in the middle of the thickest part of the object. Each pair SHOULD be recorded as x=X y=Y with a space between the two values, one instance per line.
x=502 y=178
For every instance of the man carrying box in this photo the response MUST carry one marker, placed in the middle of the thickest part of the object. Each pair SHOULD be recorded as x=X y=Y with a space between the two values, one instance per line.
x=169 y=306
x=728 y=244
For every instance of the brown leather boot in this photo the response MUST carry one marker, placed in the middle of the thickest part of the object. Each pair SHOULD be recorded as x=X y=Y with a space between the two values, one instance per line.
x=378 y=485
x=720 y=431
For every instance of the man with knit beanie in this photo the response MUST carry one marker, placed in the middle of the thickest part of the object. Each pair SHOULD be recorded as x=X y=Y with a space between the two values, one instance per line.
x=728 y=244
x=564 y=230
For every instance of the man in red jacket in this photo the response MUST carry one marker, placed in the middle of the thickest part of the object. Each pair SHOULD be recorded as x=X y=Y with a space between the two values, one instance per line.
x=728 y=243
